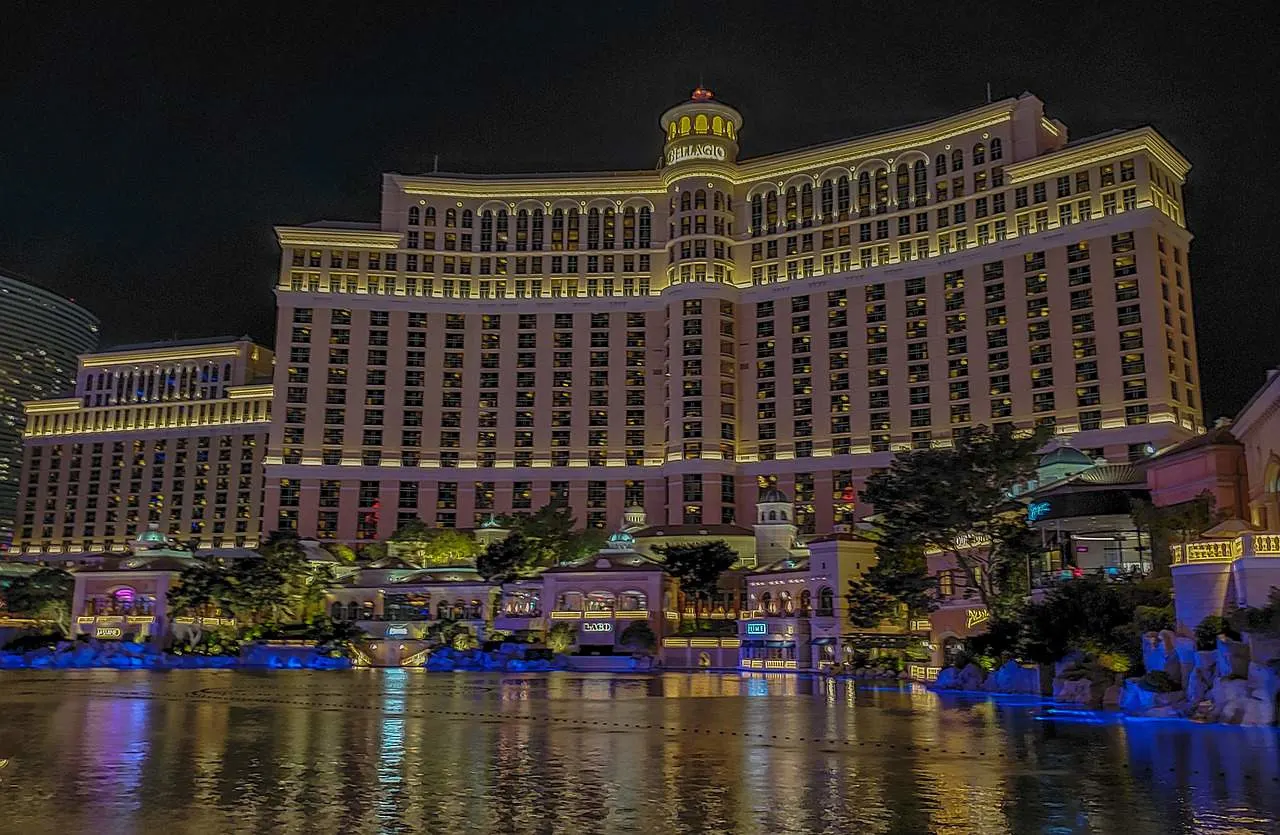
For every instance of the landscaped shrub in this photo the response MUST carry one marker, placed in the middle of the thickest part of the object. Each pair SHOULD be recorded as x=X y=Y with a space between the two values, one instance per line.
x=1210 y=628
x=1258 y=620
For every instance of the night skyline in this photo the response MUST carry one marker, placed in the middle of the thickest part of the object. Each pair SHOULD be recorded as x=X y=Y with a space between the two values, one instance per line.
x=147 y=158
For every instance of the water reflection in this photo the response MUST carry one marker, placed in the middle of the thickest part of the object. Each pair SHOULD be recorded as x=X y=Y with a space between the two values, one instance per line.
x=404 y=750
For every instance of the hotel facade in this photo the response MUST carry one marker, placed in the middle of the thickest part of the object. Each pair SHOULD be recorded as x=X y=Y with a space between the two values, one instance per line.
x=674 y=339
x=168 y=436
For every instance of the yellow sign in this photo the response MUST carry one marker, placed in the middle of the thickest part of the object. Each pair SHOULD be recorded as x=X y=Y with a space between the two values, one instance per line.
x=974 y=617
x=108 y=632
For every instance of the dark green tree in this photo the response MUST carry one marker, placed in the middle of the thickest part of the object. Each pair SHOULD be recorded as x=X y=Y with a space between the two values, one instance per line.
x=956 y=501
x=898 y=583
x=698 y=566
x=42 y=595
x=639 y=638
x=507 y=558
x=552 y=536
x=1175 y=524
x=435 y=546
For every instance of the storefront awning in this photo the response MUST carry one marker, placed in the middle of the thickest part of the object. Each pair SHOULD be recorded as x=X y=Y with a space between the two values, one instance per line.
x=779 y=644
x=752 y=644
x=822 y=642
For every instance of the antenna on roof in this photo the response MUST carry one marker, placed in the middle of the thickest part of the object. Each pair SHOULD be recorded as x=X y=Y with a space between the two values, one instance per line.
x=988 y=92
x=435 y=164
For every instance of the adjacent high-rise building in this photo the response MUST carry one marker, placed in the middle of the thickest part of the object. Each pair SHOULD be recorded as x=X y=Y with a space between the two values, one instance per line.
x=168 y=435
x=41 y=333
x=673 y=339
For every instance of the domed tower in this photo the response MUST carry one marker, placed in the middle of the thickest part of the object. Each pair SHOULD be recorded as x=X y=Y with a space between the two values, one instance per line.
x=698 y=165
x=775 y=525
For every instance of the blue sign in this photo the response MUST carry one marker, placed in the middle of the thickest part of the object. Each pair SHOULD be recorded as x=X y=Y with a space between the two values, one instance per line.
x=757 y=627
x=397 y=631
x=1037 y=510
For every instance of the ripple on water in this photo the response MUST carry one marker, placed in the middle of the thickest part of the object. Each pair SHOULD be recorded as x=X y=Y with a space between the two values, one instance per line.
x=403 y=751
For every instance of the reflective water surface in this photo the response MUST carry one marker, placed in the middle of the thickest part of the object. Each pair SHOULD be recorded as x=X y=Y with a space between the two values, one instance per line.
x=407 y=751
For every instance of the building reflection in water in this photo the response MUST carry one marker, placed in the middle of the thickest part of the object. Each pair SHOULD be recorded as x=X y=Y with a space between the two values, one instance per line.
x=404 y=750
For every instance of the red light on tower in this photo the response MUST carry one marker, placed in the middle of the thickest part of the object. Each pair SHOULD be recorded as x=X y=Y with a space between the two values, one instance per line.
x=702 y=94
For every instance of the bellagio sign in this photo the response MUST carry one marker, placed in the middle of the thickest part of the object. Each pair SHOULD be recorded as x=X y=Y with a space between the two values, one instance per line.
x=695 y=150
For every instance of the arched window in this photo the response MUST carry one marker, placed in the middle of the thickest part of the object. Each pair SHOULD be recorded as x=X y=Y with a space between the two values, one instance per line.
x=700 y=123
x=728 y=128
x=828 y=200
x=766 y=603
x=502 y=230
x=791 y=208
x=771 y=212
x=466 y=218
x=882 y=188
x=773 y=516
x=353 y=611
x=826 y=600
x=671 y=130
x=920 y=179
x=536 y=229
x=486 y=230
x=757 y=216
x=717 y=125
x=686 y=201
x=785 y=603
x=997 y=150
x=940 y=165
x=806 y=602
x=842 y=194
x=451 y=218
x=806 y=203
x=629 y=227
x=593 y=228
x=700 y=199
x=957 y=159
x=646 y=227
x=335 y=611
x=685 y=125
x=903 y=188
x=864 y=191
x=979 y=154
x=442 y=609
x=414 y=215
x=608 y=228
x=430 y=216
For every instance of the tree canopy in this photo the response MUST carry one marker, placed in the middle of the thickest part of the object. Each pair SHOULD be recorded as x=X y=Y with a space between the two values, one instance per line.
x=698 y=567
x=42 y=595
x=540 y=540
x=434 y=546
x=1173 y=524
x=956 y=501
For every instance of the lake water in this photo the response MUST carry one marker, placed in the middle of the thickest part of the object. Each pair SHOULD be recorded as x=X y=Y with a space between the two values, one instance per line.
x=409 y=751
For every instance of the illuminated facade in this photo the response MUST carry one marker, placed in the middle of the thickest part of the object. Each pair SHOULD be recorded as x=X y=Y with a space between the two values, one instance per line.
x=168 y=434
x=673 y=339
x=41 y=333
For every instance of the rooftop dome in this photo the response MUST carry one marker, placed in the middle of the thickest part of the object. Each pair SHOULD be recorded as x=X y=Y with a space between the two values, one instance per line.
x=772 y=495
x=151 y=538
x=1065 y=455
x=621 y=541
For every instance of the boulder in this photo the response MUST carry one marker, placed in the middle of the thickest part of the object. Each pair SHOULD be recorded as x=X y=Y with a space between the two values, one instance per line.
x=1262 y=648
x=1233 y=658
x=1079 y=691
x=1160 y=653
x=1185 y=649
x=1012 y=677
x=970 y=678
x=1230 y=697
x=1202 y=675
x=1111 y=696
x=947 y=679
x=1069 y=661
x=1139 y=701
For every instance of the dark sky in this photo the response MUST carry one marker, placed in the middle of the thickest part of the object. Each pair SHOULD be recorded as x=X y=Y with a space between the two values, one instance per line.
x=145 y=153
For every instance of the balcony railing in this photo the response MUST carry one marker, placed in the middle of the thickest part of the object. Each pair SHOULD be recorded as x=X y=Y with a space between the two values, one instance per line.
x=1227 y=550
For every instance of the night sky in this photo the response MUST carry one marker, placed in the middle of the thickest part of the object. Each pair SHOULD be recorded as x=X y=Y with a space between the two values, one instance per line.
x=145 y=154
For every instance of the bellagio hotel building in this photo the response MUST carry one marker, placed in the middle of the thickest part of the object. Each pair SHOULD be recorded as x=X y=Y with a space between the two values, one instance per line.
x=673 y=339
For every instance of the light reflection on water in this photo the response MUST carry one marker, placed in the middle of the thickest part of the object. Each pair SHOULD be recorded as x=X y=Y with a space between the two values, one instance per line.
x=404 y=750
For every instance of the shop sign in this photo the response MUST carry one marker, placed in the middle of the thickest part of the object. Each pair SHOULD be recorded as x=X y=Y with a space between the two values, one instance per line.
x=397 y=630
x=597 y=626
x=108 y=632
x=975 y=617
x=757 y=627
x=1037 y=511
